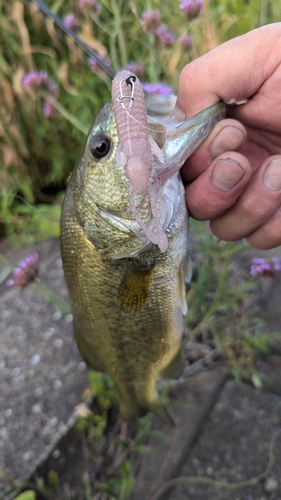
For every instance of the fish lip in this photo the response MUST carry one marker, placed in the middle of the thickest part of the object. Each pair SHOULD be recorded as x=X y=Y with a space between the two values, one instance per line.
x=173 y=126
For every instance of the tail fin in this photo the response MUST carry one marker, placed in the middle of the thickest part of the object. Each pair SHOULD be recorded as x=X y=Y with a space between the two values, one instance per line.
x=132 y=412
x=161 y=412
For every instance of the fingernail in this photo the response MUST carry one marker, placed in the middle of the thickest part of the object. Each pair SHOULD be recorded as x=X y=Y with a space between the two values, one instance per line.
x=226 y=174
x=179 y=114
x=231 y=136
x=272 y=175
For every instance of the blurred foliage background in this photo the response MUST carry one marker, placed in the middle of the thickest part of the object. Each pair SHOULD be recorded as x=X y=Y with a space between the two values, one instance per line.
x=39 y=142
x=43 y=128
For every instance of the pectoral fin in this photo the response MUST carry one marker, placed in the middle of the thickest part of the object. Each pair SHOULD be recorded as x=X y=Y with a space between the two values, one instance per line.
x=184 y=276
x=135 y=286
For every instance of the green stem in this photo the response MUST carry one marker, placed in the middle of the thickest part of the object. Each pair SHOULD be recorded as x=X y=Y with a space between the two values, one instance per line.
x=153 y=74
x=113 y=52
x=43 y=290
x=103 y=27
x=152 y=68
x=6 y=262
x=219 y=294
x=68 y=116
x=52 y=297
x=121 y=40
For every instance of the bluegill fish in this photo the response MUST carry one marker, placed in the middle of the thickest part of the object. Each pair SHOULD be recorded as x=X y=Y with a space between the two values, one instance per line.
x=127 y=292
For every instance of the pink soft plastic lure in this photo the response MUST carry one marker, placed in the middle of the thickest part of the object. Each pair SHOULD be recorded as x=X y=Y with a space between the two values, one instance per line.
x=137 y=149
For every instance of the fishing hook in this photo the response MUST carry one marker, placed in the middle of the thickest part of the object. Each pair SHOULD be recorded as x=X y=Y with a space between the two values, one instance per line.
x=130 y=81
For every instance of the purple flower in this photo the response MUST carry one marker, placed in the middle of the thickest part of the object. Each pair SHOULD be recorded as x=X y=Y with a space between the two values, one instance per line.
x=35 y=80
x=52 y=88
x=150 y=19
x=191 y=8
x=136 y=68
x=185 y=42
x=71 y=22
x=86 y=5
x=165 y=36
x=25 y=271
x=275 y=262
x=157 y=88
x=39 y=80
x=49 y=109
x=263 y=267
x=93 y=63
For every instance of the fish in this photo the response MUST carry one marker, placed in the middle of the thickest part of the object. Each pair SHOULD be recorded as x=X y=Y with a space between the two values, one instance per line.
x=126 y=281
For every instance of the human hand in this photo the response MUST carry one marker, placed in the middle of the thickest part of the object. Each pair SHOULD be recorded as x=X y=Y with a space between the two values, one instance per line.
x=234 y=178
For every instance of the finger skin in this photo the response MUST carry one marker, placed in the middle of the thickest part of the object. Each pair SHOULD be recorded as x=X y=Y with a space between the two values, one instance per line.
x=211 y=78
x=206 y=201
x=239 y=205
x=268 y=235
x=254 y=208
x=227 y=135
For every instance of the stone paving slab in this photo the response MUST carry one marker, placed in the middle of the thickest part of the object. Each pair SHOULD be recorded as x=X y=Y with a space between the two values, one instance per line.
x=42 y=374
x=194 y=400
x=233 y=447
x=232 y=444
x=222 y=431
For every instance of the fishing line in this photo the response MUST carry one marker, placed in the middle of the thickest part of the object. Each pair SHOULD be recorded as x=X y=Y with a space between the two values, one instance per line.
x=42 y=10
x=146 y=126
x=59 y=22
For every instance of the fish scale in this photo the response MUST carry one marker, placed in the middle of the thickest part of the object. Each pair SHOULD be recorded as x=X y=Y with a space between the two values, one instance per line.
x=128 y=297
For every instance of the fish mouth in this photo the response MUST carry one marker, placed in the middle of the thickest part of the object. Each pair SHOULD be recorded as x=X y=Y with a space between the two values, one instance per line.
x=118 y=220
x=114 y=213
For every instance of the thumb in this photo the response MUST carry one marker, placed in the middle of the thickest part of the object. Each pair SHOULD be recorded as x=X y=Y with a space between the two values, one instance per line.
x=233 y=71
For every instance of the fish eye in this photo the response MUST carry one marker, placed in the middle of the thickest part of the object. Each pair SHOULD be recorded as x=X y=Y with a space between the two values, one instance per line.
x=100 y=146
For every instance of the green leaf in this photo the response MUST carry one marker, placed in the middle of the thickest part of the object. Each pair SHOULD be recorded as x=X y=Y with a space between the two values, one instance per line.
x=256 y=380
x=105 y=488
x=53 y=478
x=4 y=274
x=27 y=495
x=142 y=448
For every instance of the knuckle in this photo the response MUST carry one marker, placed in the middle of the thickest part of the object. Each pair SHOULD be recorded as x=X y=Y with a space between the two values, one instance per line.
x=253 y=209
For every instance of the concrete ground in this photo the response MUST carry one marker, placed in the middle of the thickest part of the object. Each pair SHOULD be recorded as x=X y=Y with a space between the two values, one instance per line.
x=226 y=433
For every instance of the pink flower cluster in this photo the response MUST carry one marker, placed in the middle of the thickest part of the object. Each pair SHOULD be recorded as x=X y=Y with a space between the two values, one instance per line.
x=71 y=22
x=264 y=267
x=165 y=36
x=25 y=271
x=191 y=8
x=150 y=19
x=93 y=63
x=86 y=5
x=157 y=88
x=185 y=42
x=39 y=80
x=35 y=80
x=136 y=68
